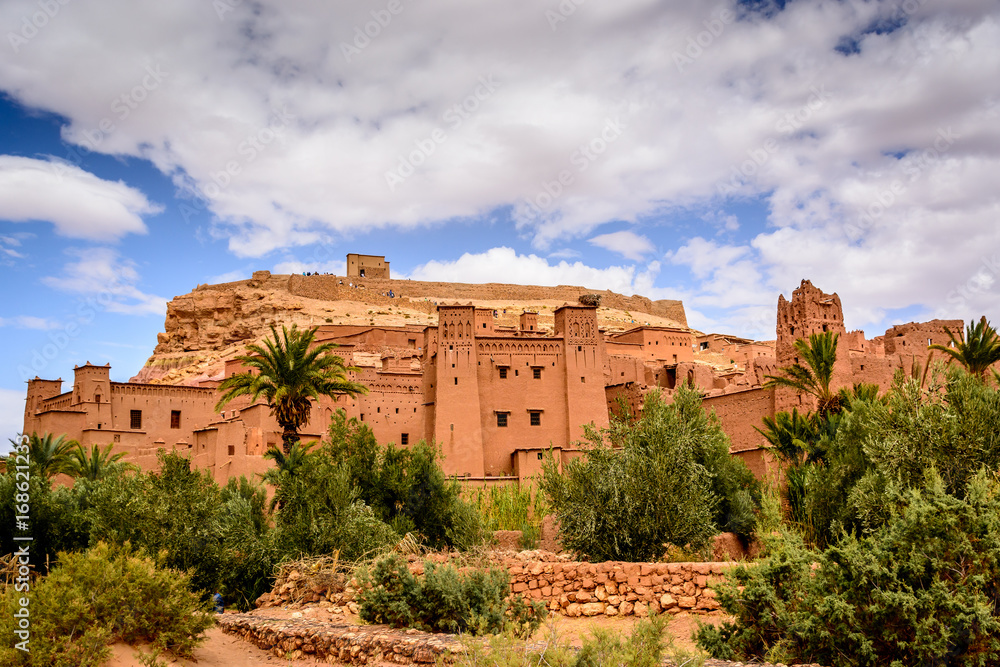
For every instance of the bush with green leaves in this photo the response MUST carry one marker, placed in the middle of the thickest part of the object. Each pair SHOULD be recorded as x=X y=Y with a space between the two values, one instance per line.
x=405 y=487
x=886 y=445
x=666 y=478
x=57 y=516
x=174 y=510
x=94 y=598
x=923 y=588
x=473 y=601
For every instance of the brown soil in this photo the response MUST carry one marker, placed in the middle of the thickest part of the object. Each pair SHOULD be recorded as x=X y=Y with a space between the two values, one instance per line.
x=223 y=650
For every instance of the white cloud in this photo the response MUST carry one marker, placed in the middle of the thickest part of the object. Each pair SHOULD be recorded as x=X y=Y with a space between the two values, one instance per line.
x=11 y=416
x=337 y=268
x=100 y=273
x=230 y=276
x=78 y=203
x=626 y=243
x=504 y=265
x=28 y=322
x=596 y=121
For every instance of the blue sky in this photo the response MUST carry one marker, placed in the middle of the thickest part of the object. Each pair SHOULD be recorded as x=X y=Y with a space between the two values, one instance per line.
x=716 y=153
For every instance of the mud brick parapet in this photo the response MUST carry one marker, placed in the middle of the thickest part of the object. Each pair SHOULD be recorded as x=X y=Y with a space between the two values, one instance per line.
x=348 y=644
x=616 y=588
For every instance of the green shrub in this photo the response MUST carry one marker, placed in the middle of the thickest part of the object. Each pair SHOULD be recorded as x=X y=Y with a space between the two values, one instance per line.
x=666 y=478
x=445 y=600
x=643 y=648
x=882 y=446
x=57 y=515
x=921 y=589
x=322 y=514
x=174 y=510
x=93 y=598
x=249 y=548
x=404 y=487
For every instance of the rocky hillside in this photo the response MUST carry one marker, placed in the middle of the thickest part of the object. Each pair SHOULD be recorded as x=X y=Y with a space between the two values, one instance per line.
x=215 y=322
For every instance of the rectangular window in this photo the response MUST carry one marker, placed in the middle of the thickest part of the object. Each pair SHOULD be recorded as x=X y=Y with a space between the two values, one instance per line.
x=536 y=373
x=404 y=438
x=135 y=419
x=232 y=450
x=502 y=419
x=536 y=418
x=175 y=419
x=456 y=380
x=503 y=373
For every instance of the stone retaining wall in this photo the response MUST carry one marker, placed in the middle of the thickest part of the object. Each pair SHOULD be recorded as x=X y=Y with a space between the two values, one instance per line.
x=618 y=589
x=566 y=587
x=349 y=644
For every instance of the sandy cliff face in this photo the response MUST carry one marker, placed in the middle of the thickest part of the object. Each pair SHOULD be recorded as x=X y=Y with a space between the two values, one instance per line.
x=216 y=322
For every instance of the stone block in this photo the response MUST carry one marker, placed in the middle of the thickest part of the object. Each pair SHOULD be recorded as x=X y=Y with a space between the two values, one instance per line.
x=592 y=609
x=685 y=602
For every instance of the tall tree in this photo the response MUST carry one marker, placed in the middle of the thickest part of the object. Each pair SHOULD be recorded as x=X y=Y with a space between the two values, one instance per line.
x=814 y=376
x=289 y=372
x=979 y=350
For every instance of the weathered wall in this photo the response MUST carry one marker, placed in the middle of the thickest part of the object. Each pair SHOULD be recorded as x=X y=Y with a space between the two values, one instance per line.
x=566 y=587
x=739 y=413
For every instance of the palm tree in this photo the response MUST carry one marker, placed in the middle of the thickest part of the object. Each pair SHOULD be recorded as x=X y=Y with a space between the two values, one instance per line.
x=51 y=455
x=98 y=464
x=813 y=378
x=979 y=351
x=789 y=435
x=289 y=375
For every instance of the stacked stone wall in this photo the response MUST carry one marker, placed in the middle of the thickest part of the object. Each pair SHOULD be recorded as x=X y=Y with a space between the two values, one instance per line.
x=345 y=644
x=616 y=588
x=566 y=587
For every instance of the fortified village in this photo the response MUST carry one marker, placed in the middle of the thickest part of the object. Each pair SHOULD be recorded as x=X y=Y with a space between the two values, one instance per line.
x=495 y=374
